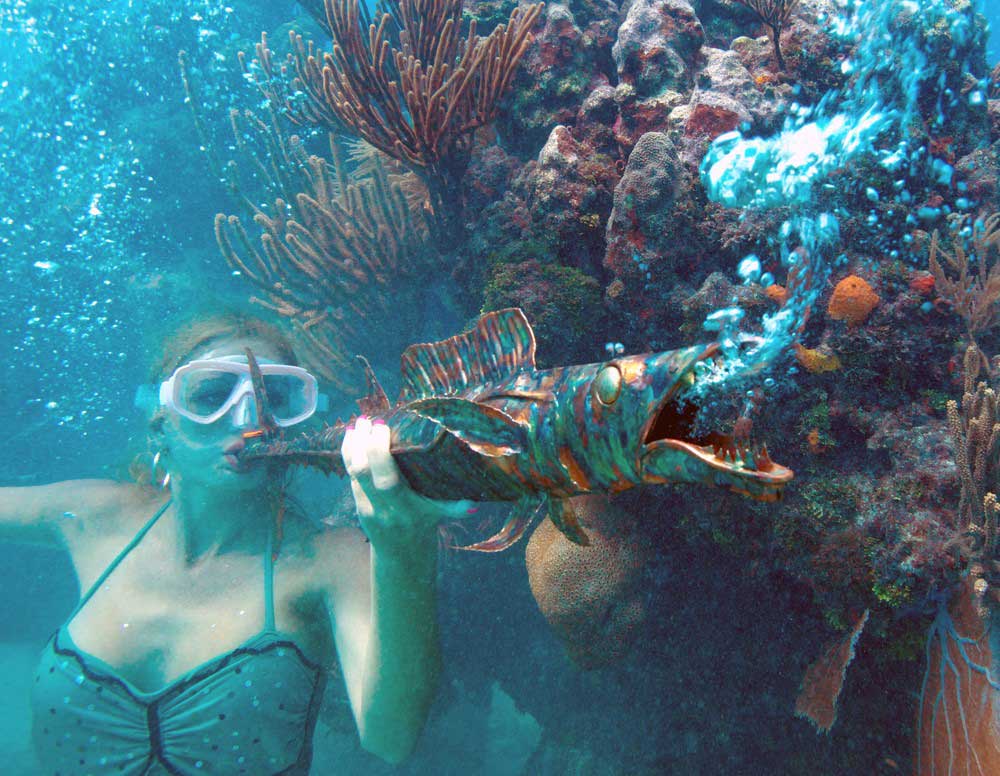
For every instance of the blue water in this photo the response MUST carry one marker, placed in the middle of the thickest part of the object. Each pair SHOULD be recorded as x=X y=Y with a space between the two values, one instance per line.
x=992 y=11
x=106 y=209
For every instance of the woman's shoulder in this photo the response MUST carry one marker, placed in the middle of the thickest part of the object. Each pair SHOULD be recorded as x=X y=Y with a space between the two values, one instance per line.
x=109 y=506
x=129 y=501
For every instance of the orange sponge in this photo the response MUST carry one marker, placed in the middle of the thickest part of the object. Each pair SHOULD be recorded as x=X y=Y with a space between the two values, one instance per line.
x=852 y=301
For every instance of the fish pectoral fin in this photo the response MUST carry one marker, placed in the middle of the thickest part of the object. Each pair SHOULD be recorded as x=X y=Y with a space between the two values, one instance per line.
x=520 y=518
x=564 y=516
x=483 y=428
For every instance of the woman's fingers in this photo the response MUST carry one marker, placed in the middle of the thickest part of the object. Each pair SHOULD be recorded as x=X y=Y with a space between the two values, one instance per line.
x=365 y=450
x=375 y=476
x=354 y=448
x=385 y=474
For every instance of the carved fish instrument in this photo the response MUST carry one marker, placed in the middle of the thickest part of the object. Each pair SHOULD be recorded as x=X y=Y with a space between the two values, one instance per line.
x=476 y=420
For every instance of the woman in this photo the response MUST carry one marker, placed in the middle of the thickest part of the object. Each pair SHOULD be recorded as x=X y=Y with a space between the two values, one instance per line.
x=199 y=645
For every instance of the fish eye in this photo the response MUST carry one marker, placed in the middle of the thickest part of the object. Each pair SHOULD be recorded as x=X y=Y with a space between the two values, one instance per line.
x=608 y=384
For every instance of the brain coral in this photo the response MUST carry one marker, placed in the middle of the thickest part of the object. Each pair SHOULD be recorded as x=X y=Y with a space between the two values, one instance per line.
x=590 y=596
x=852 y=301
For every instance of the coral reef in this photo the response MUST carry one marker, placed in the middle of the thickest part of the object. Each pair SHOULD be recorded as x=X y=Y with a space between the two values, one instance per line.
x=656 y=46
x=552 y=208
x=563 y=304
x=570 y=60
x=643 y=200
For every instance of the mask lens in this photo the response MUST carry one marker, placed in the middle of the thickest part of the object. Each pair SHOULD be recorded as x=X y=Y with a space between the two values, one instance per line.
x=287 y=395
x=203 y=391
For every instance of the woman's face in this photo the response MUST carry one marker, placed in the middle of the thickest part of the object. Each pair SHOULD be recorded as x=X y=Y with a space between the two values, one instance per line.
x=208 y=454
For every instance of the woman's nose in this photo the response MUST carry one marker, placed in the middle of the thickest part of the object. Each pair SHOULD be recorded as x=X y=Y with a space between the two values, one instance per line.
x=244 y=412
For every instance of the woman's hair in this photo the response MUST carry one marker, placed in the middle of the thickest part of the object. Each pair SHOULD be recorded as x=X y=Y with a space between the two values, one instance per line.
x=201 y=332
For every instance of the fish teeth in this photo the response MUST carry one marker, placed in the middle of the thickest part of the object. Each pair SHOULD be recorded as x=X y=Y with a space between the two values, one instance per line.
x=745 y=453
x=764 y=461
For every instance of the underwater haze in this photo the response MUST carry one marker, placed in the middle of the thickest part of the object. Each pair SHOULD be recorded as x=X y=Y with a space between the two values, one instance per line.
x=786 y=561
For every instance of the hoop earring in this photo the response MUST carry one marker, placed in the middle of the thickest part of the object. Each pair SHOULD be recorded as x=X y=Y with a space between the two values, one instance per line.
x=161 y=484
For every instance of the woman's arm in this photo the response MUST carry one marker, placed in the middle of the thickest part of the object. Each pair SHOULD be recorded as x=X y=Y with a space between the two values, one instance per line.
x=388 y=644
x=46 y=514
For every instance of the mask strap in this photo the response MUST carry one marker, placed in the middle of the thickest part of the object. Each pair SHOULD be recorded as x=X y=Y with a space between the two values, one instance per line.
x=147 y=397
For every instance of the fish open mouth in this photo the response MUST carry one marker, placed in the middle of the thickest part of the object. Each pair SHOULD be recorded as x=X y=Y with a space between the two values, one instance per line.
x=748 y=465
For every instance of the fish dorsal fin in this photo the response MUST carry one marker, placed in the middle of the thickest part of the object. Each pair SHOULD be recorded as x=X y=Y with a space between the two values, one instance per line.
x=501 y=344
x=261 y=403
x=374 y=402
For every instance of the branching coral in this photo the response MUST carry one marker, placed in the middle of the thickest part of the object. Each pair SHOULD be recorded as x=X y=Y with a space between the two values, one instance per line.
x=970 y=280
x=975 y=431
x=775 y=14
x=335 y=256
x=277 y=162
x=332 y=255
x=410 y=83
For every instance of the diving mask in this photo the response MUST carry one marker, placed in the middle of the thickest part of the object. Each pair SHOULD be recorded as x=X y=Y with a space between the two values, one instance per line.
x=205 y=390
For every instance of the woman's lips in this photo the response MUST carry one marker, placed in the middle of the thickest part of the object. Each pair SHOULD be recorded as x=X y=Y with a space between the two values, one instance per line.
x=232 y=452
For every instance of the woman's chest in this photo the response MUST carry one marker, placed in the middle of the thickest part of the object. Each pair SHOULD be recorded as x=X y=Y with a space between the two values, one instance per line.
x=154 y=625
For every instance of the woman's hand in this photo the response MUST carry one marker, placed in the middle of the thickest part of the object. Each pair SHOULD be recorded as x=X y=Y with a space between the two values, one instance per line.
x=393 y=516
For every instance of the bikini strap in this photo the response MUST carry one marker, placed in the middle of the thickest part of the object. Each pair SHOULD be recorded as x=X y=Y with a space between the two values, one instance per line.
x=118 y=559
x=269 y=583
